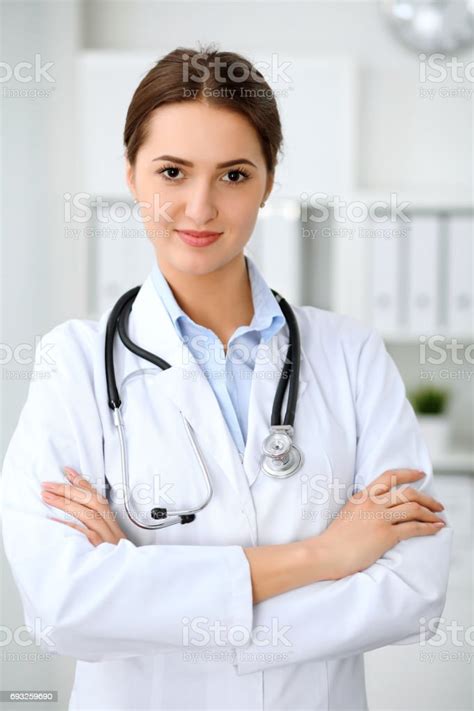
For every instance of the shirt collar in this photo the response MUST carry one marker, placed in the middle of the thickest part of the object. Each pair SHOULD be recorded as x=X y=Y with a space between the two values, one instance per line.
x=268 y=317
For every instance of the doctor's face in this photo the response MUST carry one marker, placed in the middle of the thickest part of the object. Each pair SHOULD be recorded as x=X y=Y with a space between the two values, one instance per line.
x=200 y=168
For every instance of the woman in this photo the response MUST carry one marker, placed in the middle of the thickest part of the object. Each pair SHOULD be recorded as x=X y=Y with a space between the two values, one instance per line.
x=269 y=598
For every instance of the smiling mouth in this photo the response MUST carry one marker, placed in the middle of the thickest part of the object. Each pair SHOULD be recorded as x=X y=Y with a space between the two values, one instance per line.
x=196 y=233
x=198 y=239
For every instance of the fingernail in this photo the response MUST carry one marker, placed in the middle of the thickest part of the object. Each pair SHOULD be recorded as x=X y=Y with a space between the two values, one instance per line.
x=440 y=523
x=69 y=474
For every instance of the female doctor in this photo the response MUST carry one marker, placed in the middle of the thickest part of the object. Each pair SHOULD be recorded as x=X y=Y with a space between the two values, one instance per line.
x=267 y=596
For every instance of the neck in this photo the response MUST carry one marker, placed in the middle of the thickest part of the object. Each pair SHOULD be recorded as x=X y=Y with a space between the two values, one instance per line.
x=221 y=300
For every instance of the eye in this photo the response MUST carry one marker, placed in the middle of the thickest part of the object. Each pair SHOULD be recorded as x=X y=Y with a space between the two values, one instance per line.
x=173 y=178
x=239 y=172
x=165 y=169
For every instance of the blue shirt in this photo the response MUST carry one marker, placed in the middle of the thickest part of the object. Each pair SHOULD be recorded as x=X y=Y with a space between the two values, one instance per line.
x=229 y=374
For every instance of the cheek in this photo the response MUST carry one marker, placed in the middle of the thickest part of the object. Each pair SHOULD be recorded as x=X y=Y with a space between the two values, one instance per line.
x=158 y=209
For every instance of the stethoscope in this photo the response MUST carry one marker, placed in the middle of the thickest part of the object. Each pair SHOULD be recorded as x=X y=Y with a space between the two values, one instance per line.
x=280 y=457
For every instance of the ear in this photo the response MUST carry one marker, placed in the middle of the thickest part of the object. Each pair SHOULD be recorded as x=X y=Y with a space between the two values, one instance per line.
x=269 y=185
x=130 y=176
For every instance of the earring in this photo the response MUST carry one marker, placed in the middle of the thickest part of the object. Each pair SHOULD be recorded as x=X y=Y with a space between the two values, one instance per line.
x=262 y=204
x=135 y=200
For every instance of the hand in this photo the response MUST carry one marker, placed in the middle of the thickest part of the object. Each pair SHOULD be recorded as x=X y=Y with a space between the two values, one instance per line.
x=374 y=520
x=80 y=499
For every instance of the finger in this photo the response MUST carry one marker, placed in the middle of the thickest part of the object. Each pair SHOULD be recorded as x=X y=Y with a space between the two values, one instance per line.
x=88 y=498
x=393 y=477
x=91 y=518
x=81 y=529
x=92 y=537
x=91 y=500
x=411 y=511
x=410 y=529
x=75 y=478
x=406 y=494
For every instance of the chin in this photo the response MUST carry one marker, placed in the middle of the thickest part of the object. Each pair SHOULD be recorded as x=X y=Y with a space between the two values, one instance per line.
x=200 y=261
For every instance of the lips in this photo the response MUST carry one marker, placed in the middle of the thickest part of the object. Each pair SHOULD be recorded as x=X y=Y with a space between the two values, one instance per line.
x=198 y=239
x=195 y=233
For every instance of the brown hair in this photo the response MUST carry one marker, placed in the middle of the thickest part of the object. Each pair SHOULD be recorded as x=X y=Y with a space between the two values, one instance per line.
x=184 y=74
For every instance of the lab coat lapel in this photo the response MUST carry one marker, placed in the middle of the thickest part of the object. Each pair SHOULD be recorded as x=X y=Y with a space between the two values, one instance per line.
x=151 y=327
x=265 y=378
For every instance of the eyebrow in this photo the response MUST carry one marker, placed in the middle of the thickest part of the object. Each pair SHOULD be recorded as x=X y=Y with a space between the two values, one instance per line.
x=226 y=164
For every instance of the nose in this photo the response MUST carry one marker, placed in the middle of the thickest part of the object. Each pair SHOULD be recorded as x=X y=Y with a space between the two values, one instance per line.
x=200 y=204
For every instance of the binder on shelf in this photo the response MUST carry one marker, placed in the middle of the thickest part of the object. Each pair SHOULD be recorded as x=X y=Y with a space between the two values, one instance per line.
x=423 y=274
x=460 y=274
x=385 y=278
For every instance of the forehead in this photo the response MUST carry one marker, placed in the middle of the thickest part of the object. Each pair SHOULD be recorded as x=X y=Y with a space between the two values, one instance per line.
x=201 y=133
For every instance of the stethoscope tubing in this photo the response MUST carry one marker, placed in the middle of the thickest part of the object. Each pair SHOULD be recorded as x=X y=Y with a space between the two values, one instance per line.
x=117 y=321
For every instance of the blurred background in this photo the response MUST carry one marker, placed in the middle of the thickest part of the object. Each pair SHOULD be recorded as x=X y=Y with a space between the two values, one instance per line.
x=371 y=215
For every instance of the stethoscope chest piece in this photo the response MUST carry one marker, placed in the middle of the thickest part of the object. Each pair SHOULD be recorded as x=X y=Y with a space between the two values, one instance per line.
x=281 y=458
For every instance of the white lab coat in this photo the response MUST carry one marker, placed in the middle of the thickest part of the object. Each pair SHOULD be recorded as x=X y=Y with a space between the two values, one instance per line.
x=123 y=611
